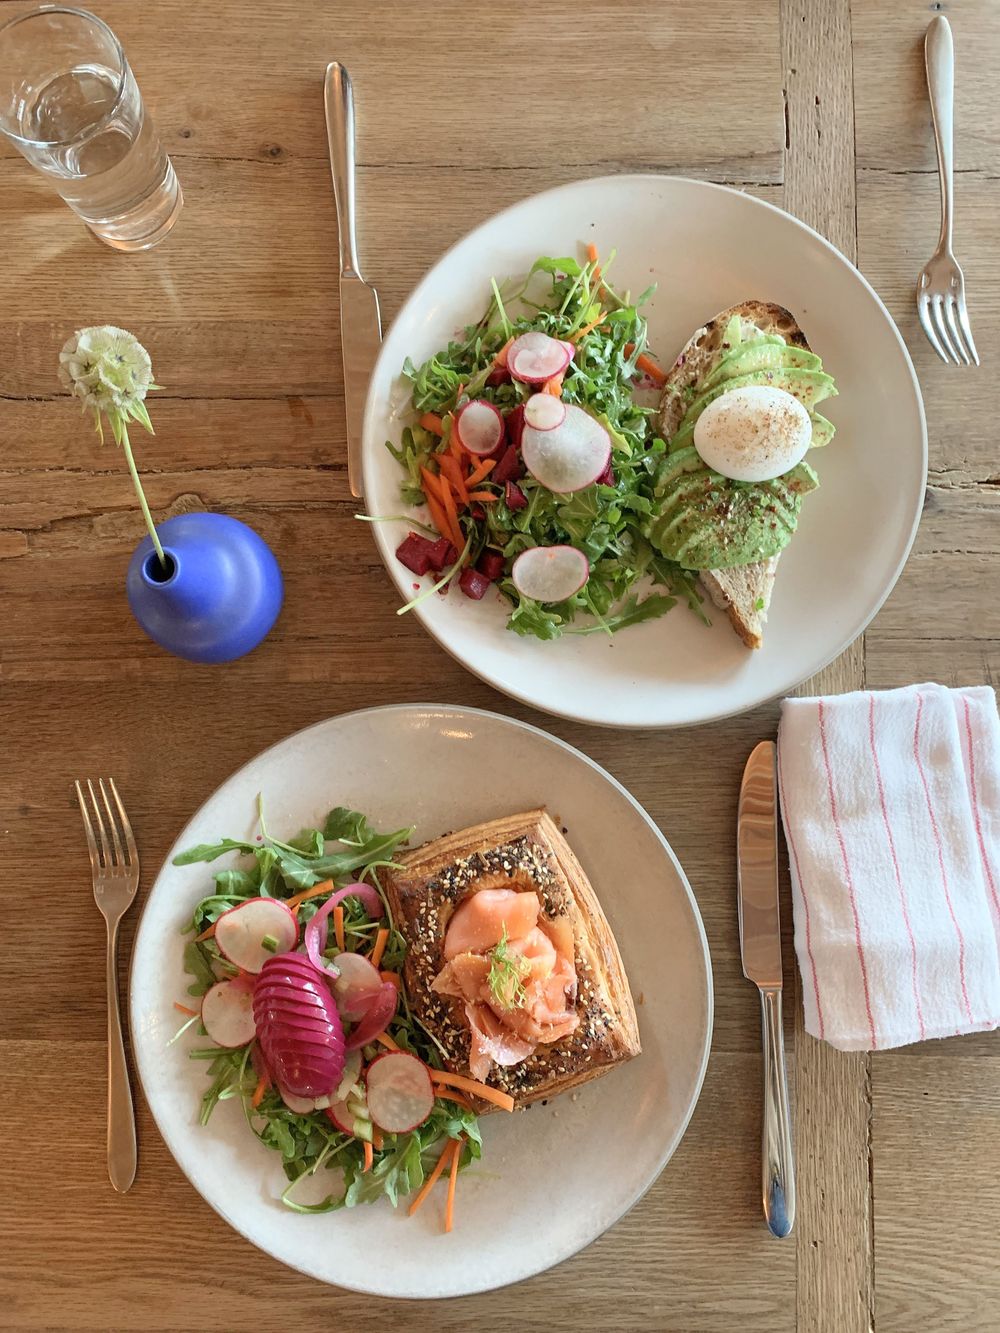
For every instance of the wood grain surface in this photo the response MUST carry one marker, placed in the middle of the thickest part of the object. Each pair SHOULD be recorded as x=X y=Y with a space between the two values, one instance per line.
x=819 y=106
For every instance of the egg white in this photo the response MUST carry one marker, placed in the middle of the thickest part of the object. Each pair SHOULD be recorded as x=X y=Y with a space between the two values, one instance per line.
x=754 y=433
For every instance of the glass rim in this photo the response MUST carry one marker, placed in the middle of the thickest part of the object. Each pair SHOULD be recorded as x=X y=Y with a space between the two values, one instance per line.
x=99 y=124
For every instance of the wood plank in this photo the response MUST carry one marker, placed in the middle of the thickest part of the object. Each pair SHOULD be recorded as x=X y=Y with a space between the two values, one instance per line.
x=832 y=1104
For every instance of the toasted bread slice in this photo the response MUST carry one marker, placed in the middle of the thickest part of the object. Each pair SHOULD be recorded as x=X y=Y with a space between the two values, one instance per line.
x=744 y=591
x=520 y=852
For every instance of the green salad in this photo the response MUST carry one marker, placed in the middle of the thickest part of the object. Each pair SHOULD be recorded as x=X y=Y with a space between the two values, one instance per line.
x=301 y=876
x=487 y=509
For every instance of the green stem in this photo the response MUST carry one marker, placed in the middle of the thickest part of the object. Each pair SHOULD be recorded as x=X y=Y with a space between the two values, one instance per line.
x=142 y=498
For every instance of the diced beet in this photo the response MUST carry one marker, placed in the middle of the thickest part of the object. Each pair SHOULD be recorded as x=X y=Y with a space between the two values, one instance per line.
x=514 y=496
x=515 y=425
x=498 y=375
x=477 y=511
x=415 y=553
x=607 y=477
x=509 y=468
x=474 y=584
x=491 y=565
x=441 y=554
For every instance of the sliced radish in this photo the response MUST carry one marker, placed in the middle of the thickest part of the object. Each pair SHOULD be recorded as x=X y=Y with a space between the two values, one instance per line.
x=356 y=987
x=571 y=456
x=303 y=1105
x=400 y=1092
x=542 y=411
x=227 y=1013
x=550 y=573
x=534 y=357
x=352 y=1117
x=244 y=932
x=479 y=427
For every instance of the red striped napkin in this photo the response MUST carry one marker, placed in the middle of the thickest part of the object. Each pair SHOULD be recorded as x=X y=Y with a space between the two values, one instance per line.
x=891 y=808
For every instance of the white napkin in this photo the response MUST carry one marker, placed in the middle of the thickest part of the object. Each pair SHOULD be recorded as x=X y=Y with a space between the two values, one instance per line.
x=891 y=808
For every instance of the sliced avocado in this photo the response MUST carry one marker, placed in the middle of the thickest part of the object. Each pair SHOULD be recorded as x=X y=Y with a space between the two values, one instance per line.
x=823 y=431
x=808 y=386
x=759 y=355
x=706 y=521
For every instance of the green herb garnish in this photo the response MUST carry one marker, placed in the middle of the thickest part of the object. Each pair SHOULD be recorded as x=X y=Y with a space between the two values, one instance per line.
x=505 y=978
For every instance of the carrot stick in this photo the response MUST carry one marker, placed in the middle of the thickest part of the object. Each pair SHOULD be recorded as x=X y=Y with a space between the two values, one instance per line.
x=432 y=422
x=481 y=1090
x=191 y=1013
x=479 y=472
x=501 y=357
x=338 y=927
x=205 y=934
x=449 y=1210
x=369 y=1157
x=381 y=939
x=386 y=1040
x=438 y=516
x=451 y=513
x=455 y=448
x=297 y=899
x=392 y=977
x=554 y=386
x=453 y=473
x=377 y=1141
x=432 y=1179
x=485 y=497
x=592 y=253
x=587 y=328
x=646 y=363
x=432 y=483
x=449 y=1096
x=263 y=1083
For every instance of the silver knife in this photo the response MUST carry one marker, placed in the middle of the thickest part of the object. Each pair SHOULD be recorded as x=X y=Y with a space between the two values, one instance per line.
x=760 y=946
x=360 y=322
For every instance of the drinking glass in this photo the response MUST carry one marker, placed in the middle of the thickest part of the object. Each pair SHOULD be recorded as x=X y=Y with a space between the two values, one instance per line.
x=70 y=104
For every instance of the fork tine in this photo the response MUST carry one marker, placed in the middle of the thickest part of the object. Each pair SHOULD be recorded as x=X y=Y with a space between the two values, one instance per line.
x=966 y=327
x=95 y=858
x=119 y=854
x=948 y=311
x=923 y=314
x=105 y=849
x=937 y=318
x=133 y=851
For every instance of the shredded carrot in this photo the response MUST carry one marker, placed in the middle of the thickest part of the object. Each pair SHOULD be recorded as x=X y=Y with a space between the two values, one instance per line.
x=587 y=328
x=501 y=357
x=484 y=497
x=595 y=278
x=453 y=473
x=480 y=471
x=432 y=483
x=646 y=363
x=592 y=253
x=482 y=1090
x=437 y=515
x=446 y=1156
x=451 y=513
x=369 y=1156
x=377 y=1141
x=392 y=977
x=386 y=1040
x=554 y=386
x=338 y=927
x=450 y=1096
x=455 y=447
x=449 y=1209
x=432 y=422
x=205 y=934
x=298 y=899
x=263 y=1083
x=381 y=940
x=192 y=1013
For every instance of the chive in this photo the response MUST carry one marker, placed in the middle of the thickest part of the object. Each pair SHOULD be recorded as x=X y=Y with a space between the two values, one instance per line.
x=270 y=943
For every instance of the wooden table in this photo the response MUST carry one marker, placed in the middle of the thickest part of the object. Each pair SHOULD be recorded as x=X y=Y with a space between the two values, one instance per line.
x=799 y=102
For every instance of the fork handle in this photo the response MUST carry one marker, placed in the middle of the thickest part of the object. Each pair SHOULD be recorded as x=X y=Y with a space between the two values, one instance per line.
x=939 y=60
x=121 y=1116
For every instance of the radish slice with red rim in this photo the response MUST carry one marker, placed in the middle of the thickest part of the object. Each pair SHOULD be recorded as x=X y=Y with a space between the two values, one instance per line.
x=356 y=987
x=377 y=1019
x=303 y=1105
x=534 y=357
x=254 y=931
x=400 y=1092
x=550 y=573
x=570 y=456
x=227 y=1013
x=479 y=427
x=543 y=411
x=317 y=928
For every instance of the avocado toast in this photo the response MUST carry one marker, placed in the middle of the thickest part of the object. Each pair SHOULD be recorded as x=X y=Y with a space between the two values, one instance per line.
x=733 y=532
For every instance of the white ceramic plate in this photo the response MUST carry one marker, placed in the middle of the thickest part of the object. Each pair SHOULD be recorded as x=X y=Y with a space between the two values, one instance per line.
x=707 y=247
x=595 y=1153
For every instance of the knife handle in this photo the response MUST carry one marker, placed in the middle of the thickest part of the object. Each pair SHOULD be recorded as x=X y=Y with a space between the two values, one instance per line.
x=778 y=1165
x=338 y=99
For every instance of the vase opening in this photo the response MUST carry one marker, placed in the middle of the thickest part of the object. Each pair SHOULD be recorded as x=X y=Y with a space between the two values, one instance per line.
x=153 y=571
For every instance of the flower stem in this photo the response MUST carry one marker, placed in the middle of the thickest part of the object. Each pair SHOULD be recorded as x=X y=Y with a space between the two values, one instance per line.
x=142 y=498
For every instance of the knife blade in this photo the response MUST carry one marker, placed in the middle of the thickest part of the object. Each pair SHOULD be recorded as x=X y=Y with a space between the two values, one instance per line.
x=360 y=318
x=760 y=948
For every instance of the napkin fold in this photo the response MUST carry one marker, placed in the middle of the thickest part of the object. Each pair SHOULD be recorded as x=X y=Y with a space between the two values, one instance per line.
x=891 y=808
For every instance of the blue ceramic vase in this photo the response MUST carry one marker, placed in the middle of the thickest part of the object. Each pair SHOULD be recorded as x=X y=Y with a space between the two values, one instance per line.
x=219 y=595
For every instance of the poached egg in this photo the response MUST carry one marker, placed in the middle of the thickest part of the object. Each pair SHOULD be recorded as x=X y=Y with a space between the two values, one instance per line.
x=753 y=434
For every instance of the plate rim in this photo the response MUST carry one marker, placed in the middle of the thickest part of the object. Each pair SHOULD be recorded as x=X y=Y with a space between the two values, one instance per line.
x=520 y=695
x=601 y=771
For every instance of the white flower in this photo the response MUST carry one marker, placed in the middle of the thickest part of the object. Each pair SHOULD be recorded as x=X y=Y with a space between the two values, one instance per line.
x=110 y=371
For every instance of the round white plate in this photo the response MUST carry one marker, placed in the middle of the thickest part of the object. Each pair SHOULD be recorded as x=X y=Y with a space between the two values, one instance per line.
x=707 y=247
x=594 y=1153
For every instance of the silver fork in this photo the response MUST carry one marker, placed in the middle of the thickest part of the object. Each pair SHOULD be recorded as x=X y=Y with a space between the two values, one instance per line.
x=941 y=306
x=114 y=863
